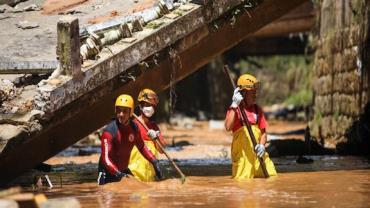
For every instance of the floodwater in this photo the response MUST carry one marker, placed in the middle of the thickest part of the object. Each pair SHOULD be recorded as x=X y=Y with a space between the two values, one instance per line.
x=213 y=187
x=330 y=181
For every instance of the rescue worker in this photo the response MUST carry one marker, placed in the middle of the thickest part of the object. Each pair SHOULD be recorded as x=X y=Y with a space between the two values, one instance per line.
x=245 y=164
x=139 y=166
x=117 y=141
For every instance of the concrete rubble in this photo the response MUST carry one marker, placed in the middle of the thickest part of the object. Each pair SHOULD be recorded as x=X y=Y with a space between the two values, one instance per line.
x=97 y=62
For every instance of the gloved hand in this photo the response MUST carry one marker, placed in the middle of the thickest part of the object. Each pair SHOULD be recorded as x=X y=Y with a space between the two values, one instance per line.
x=237 y=98
x=157 y=170
x=153 y=134
x=119 y=174
x=260 y=150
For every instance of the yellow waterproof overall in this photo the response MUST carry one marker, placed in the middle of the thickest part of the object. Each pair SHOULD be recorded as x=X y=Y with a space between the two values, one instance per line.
x=141 y=168
x=245 y=163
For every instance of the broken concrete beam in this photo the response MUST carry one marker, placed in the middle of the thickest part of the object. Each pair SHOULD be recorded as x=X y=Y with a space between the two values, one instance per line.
x=191 y=42
x=68 y=46
x=28 y=67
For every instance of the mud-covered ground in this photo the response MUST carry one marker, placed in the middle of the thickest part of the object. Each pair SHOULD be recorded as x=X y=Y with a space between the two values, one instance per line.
x=28 y=31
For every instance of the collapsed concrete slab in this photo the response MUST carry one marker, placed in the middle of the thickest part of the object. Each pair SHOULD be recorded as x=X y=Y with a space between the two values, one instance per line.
x=77 y=99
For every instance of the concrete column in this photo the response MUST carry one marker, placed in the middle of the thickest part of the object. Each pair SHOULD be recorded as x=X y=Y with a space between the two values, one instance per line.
x=68 y=46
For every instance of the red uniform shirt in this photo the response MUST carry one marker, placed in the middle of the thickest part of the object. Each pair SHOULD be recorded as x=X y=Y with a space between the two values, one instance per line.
x=143 y=131
x=116 y=151
x=252 y=117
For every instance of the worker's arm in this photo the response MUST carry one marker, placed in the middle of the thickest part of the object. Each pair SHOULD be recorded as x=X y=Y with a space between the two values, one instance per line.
x=106 y=148
x=263 y=139
x=230 y=119
x=230 y=116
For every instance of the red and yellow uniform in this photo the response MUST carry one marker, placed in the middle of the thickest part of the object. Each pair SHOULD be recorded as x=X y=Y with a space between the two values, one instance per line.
x=245 y=163
x=139 y=166
x=117 y=142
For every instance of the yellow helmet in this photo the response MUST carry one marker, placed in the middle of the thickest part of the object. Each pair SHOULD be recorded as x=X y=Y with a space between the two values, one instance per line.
x=149 y=96
x=125 y=100
x=248 y=82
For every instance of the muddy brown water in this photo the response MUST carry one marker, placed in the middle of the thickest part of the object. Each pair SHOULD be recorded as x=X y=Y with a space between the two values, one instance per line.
x=331 y=181
x=313 y=189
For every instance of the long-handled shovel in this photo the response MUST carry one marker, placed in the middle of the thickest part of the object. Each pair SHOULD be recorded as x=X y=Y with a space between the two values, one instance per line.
x=246 y=123
x=165 y=153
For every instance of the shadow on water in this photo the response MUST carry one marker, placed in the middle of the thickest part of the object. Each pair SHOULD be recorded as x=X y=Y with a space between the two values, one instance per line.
x=287 y=133
x=87 y=172
x=297 y=147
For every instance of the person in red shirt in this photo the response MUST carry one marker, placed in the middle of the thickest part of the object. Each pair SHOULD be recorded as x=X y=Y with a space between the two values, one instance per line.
x=245 y=163
x=117 y=140
x=139 y=166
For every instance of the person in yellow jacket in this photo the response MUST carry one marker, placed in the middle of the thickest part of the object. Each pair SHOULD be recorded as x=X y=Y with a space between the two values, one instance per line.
x=138 y=165
x=244 y=155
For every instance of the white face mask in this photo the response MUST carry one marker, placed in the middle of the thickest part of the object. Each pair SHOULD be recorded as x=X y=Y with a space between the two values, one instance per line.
x=148 y=111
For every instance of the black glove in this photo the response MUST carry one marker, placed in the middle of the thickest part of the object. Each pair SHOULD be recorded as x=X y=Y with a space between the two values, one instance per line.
x=119 y=174
x=157 y=169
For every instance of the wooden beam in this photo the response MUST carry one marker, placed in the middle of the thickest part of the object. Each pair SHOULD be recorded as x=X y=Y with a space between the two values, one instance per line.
x=91 y=111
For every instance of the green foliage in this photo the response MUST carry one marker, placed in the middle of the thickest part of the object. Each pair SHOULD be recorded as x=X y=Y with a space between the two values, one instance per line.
x=283 y=78
x=302 y=97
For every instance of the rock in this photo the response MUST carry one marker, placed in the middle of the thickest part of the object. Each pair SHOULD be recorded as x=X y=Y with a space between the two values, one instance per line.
x=11 y=2
x=27 y=25
x=6 y=8
x=182 y=121
x=32 y=7
x=216 y=124
x=61 y=203
x=17 y=10
x=30 y=116
x=54 y=82
x=14 y=109
x=72 y=12
x=8 y=131
x=30 y=87
x=4 y=16
x=7 y=90
x=7 y=203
